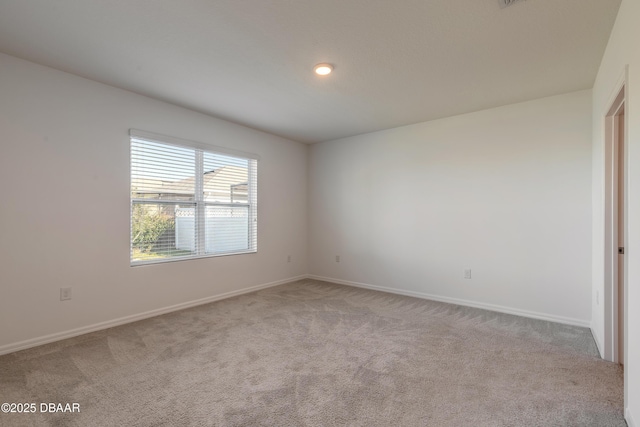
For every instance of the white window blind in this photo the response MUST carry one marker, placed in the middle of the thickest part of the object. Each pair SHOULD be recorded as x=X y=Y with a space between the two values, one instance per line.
x=189 y=202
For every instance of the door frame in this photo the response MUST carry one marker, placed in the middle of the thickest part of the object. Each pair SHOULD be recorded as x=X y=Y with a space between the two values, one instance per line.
x=616 y=105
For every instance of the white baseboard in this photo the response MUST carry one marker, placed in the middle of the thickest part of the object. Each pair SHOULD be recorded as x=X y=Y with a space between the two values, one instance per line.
x=58 y=336
x=491 y=307
x=34 y=342
x=596 y=338
x=629 y=419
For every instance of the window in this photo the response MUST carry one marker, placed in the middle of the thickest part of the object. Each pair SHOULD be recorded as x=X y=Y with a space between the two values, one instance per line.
x=189 y=200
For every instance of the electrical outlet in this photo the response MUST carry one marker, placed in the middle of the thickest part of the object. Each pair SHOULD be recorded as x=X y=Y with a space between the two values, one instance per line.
x=337 y=258
x=65 y=294
x=467 y=273
x=288 y=258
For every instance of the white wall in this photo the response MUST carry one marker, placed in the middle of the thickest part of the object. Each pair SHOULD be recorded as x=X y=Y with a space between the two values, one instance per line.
x=505 y=192
x=64 y=215
x=623 y=49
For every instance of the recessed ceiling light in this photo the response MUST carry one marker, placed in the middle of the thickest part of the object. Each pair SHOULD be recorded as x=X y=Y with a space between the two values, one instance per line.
x=323 y=69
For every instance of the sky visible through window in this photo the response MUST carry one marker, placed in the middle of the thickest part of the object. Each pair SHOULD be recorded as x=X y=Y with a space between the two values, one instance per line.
x=181 y=165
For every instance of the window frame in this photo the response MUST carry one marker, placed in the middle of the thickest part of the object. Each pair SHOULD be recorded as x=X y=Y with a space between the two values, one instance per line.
x=199 y=202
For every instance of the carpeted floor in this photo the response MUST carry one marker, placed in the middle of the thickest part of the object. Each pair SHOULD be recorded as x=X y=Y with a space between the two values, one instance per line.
x=312 y=353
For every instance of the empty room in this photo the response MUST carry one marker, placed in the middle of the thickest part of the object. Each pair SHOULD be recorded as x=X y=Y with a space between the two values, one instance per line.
x=319 y=213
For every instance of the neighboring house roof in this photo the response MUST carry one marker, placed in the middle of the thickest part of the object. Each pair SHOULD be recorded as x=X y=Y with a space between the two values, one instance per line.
x=224 y=185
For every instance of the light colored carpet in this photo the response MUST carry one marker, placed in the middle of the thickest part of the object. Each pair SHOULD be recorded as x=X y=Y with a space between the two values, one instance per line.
x=312 y=353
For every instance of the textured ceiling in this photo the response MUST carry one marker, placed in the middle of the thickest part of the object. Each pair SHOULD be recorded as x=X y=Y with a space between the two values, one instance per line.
x=250 y=61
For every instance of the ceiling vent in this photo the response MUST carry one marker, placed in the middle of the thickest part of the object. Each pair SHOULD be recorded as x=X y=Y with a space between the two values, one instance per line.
x=505 y=3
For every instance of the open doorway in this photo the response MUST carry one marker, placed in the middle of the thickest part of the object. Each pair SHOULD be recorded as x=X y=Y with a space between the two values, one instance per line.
x=615 y=226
